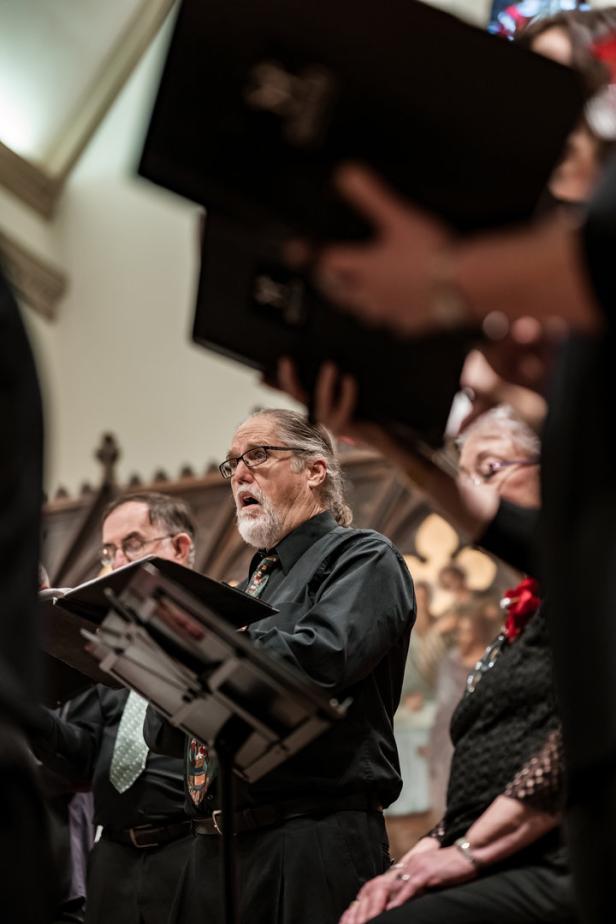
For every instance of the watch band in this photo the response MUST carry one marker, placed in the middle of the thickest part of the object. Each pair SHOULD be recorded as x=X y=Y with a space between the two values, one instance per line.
x=464 y=847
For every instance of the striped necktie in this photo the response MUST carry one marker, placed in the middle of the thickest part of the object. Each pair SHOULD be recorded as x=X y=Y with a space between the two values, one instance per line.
x=199 y=766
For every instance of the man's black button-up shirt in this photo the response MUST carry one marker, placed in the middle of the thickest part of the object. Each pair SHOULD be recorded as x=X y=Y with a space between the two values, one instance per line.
x=346 y=629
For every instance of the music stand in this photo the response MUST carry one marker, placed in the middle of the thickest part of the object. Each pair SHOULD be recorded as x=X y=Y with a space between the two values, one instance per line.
x=68 y=668
x=212 y=681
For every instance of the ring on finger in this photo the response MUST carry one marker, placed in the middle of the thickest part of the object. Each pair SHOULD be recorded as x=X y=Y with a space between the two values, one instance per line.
x=403 y=877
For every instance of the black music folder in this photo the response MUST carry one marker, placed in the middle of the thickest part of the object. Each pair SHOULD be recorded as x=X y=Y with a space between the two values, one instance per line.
x=259 y=101
x=251 y=308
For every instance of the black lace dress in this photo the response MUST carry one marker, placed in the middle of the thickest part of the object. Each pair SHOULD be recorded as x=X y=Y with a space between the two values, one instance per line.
x=507 y=739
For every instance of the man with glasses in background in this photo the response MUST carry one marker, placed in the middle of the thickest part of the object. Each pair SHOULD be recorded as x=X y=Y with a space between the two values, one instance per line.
x=138 y=796
x=311 y=831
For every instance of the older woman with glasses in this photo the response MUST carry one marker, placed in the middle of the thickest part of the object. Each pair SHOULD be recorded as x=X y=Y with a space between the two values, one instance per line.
x=498 y=853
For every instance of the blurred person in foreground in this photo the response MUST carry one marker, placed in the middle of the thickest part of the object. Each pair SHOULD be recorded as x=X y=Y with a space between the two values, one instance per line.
x=27 y=882
x=552 y=278
x=583 y=40
x=96 y=741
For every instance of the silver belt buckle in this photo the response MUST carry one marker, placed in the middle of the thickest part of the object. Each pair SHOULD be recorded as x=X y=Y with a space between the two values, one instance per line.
x=216 y=814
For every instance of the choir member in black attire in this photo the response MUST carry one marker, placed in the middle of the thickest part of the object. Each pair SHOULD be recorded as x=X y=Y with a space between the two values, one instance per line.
x=578 y=555
x=498 y=845
x=98 y=742
x=311 y=831
x=26 y=872
x=552 y=270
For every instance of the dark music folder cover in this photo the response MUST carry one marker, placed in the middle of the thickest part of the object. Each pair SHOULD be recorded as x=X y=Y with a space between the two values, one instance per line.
x=259 y=101
x=251 y=308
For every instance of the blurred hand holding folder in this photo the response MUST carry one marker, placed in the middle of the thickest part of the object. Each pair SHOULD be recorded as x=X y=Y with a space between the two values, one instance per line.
x=259 y=102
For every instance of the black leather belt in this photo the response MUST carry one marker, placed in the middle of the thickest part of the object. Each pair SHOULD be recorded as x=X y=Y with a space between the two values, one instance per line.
x=149 y=835
x=266 y=816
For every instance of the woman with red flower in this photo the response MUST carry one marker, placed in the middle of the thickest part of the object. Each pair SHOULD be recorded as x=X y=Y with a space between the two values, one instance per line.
x=498 y=853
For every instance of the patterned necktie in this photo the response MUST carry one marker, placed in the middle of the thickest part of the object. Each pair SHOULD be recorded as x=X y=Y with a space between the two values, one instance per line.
x=261 y=575
x=199 y=766
x=130 y=750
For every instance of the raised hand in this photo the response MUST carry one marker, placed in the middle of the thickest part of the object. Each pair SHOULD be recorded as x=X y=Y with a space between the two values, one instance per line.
x=387 y=280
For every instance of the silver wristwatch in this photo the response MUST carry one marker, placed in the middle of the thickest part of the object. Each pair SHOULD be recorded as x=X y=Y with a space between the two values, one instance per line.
x=466 y=850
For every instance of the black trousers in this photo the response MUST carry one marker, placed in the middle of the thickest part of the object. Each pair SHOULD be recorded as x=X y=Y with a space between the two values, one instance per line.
x=131 y=885
x=71 y=912
x=305 y=871
x=529 y=895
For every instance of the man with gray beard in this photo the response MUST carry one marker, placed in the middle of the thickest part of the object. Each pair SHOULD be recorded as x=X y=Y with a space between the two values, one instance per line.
x=312 y=830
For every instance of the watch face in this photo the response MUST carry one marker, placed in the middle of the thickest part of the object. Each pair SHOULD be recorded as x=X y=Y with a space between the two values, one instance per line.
x=508 y=19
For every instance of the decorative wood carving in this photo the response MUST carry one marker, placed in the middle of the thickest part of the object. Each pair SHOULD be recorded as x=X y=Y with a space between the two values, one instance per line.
x=71 y=554
x=108 y=454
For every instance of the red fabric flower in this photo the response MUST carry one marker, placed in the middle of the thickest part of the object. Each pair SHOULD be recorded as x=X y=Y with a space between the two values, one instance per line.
x=523 y=602
x=605 y=51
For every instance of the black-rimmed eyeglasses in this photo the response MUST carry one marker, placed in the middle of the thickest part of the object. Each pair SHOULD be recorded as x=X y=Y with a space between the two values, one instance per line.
x=253 y=457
